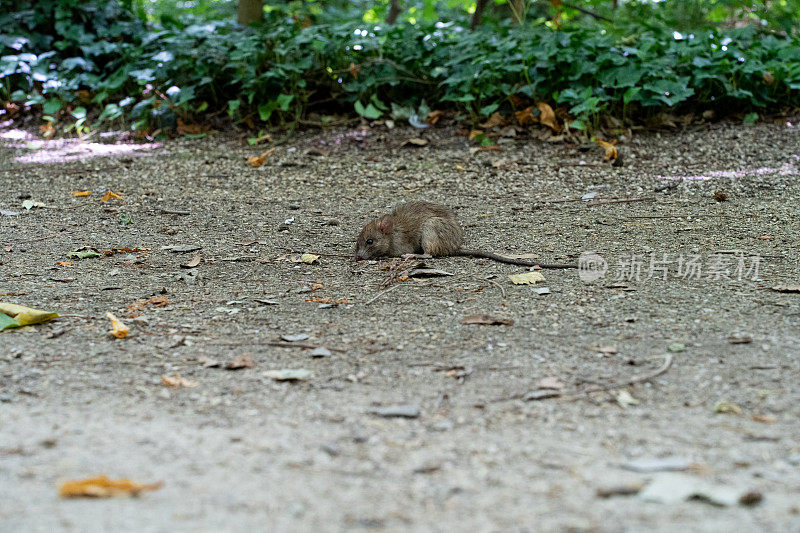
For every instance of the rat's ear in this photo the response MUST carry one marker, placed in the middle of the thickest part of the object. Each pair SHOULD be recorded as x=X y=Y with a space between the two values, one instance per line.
x=385 y=224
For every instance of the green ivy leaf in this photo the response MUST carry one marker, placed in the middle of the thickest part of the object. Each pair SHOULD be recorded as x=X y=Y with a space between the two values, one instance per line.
x=370 y=111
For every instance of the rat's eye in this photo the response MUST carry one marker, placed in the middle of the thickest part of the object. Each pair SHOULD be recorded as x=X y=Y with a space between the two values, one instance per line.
x=369 y=241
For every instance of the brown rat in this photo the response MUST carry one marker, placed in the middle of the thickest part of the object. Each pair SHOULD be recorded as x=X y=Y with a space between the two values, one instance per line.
x=422 y=228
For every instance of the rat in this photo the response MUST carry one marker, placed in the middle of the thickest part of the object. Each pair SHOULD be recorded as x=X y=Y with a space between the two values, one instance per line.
x=422 y=230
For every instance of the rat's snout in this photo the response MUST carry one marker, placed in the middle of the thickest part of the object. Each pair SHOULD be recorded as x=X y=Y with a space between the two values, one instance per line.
x=361 y=254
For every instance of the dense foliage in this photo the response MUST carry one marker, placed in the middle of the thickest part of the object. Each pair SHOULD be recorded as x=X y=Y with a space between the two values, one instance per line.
x=113 y=60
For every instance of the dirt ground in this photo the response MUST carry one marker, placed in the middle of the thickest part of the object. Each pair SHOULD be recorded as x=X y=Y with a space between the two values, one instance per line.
x=487 y=449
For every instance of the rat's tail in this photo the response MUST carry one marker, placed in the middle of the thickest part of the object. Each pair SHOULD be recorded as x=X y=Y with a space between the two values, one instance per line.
x=509 y=260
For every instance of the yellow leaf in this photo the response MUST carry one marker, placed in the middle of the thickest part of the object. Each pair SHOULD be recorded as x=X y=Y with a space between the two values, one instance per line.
x=474 y=133
x=548 y=117
x=178 y=381
x=611 y=150
x=118 y=329
x=527 y=278
x=727 y=408
x=309 y=258
x=81 y=193
x=110 y=195
x=257 y=161
x=103 y=487
x=25 y=316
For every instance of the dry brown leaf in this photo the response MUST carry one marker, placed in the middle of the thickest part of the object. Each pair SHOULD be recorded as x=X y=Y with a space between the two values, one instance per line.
x=494 y=121
x=193 y=262
x=103 y=487
x=490 y=148
x=434 y=116
x=474 y=133
x=257 y=161
x=769 y=78
x=483 y=318
x=118 y=329
x=240 y=361
x=765 y=419
x=178 y=381
x=48 y=130
x=191 y=129
x=110 y=195
x=551 y=383
x=81 y=193
x=64 y=263
x=611 y=150
x=414 y=141
x=354 y=69
x=786 y=288
x=548 y=117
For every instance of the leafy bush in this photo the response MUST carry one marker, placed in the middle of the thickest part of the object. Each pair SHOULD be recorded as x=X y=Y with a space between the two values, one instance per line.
x=70 y=55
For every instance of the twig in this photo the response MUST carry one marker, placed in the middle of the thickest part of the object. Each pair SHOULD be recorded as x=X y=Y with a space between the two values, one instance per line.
x=493 y=282
x=578 y=393
x=174 y=212
x=390 y=289
x=625 y=201
x=283 y=344
x=587 y=12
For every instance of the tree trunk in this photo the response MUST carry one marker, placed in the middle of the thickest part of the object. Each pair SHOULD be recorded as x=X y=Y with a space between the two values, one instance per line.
x=477 y=17
x=394 y=12
x=250 y=11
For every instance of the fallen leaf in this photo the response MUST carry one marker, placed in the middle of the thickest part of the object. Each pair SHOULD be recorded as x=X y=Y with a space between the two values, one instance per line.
x=526 y=116
x=14 y=316
x=309 y=258
x=786 y=288
x=474 y=133
x=526 y=278
x=765 y=419
x=608 y=350
x=727 y=408
x=240 y=361
x=414 y=141
x=118 y=329
x=672 y=488
x=490 y=148
x=676 y=347
x=84 y=252
x=551 y=383
x=624 y=398
x=495 y=120
x=611 y=150
x=81 y=193
x=660 y=464
x=110 y=195
x=483 y=318
x=103 y=487
x=193 y=262
x=207 y=362
x=434 y=116
x=321 y=351
x=397 y=411
x=740 y=338
x=191 y=129
x=548 y=117
x=288 y=374
x=64 y=263
x=257 y=161
x=185 y=248
x=30 y=204
x=429 y=273
x=295 y=338
x=178 y=381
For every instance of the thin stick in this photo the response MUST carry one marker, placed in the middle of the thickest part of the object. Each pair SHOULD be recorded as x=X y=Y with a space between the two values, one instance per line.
x=282 y=344
x=38 y=238
x=390 y=289
x=502 y=290
x=577 y=393
x=626 y=201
